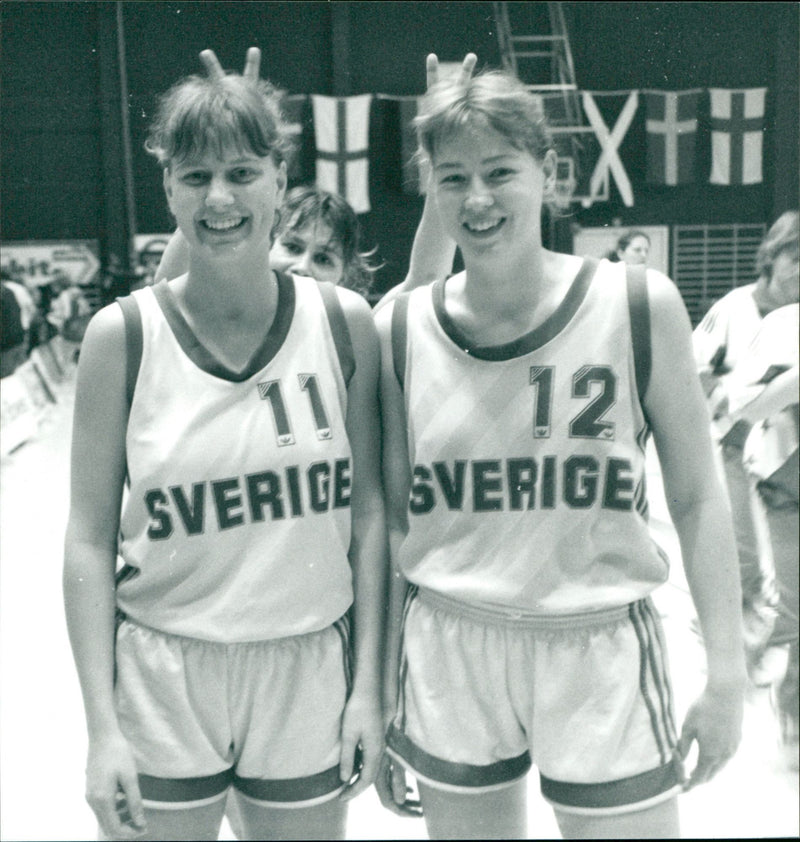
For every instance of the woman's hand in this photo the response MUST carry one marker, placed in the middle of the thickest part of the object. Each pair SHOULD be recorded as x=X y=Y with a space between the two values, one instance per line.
x=362 y=745
x=112 y=788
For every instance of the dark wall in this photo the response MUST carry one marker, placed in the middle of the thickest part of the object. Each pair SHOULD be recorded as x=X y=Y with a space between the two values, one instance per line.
x=52 y=183
x=60 y=176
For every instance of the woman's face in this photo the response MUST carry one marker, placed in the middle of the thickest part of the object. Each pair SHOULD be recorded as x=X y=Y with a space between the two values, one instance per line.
x=489 y=193
x=784 y=283
x=311 y=251
x=635 y=252
x=225 y=205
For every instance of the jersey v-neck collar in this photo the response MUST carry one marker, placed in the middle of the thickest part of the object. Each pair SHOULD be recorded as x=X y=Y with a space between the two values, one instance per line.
x=203 y=358
x=530 y=341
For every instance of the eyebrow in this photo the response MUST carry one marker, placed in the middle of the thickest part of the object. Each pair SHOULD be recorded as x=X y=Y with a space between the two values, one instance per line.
x=200 y=163
x=491 y=160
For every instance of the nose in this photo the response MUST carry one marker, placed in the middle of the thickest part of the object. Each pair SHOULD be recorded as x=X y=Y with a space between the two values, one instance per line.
x=301 y=265
x=479 y=197
x=219 y=192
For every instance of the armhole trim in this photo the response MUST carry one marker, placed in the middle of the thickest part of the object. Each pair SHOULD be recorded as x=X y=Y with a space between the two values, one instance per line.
x=133 y=343
x=639 y=309
x=339 y=330
x=400 y=337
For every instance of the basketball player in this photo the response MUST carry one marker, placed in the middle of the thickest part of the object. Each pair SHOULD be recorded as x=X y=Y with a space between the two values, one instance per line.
x=252 y=532
x=517 y=399
x=722 y=342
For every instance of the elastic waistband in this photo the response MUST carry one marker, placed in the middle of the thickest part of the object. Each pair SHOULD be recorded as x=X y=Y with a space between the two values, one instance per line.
x=123 y=619
x=521 y=619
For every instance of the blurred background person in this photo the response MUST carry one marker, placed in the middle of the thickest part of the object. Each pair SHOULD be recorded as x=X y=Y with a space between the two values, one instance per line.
x=721 y=343
x=632 y=247
x=764 y=391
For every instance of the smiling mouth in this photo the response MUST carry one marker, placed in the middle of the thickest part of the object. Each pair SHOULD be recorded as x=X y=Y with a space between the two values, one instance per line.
x=223 y=225
x=484 y=227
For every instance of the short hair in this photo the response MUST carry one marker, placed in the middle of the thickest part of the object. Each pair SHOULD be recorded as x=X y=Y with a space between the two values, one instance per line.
x=306 y=205
x=200 y=114
x=492 y=99
x=783 y=235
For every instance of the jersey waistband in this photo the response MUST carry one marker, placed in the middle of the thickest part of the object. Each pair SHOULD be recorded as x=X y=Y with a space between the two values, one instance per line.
x=516 y=618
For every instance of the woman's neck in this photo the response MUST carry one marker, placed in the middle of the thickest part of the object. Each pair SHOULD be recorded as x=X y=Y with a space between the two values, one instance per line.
x=511 y=286
x=230 y=290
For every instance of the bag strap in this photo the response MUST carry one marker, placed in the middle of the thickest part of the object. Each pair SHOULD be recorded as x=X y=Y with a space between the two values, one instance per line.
x=400 y=337
x=639 y=309
x=133 y=343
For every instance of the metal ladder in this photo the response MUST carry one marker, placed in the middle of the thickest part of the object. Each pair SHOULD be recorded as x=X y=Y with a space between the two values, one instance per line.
x=544 y=63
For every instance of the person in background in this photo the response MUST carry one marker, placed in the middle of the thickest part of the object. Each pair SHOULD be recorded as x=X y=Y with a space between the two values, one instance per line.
x=521 y=627
x=764 y=391
x=237 y=646
x=13 y=334
x=721 y=343
x=632 y=247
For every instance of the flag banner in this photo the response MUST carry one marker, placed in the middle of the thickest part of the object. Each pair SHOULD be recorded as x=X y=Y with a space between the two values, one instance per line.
x=341 y=129
x=671 y=127
x=297 y=115
x=609 y=162
x=737 y=132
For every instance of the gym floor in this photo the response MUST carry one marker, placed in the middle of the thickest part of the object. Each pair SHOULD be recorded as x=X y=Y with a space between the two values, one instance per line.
x=43 y=747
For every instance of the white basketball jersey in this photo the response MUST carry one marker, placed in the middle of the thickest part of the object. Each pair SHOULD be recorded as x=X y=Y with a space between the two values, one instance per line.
x=528 y=490
x=237 y=522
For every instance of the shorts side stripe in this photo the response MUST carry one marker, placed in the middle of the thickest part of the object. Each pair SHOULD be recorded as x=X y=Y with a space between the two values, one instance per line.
x=658 y=657
x=184 y=790
x=342 y=626
x=625 y=792
x=455 y=775
x=288 y=790
x=402 y=666
x=649 y=681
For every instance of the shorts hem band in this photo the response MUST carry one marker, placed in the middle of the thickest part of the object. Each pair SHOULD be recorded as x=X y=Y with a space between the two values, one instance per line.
x=617 y=811
x=291 y=792
x=180 y=793
x=627 y=794
x=295 y=805
x=185 y=793
x=455 y=777
x=181 y=805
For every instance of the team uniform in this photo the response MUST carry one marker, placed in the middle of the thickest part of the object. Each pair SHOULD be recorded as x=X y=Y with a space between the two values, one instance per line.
x=529 y=634
x=771 y=457
x=721 y=341
x=233 y=647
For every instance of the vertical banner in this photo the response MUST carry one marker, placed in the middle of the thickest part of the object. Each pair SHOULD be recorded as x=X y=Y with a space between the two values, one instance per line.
x=609 y=162
x=341 y=129
x=737 y=132
x=671 y=127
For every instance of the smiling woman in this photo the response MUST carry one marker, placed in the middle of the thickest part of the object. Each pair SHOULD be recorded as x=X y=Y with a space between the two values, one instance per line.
x=517 y=399
x=247 y=438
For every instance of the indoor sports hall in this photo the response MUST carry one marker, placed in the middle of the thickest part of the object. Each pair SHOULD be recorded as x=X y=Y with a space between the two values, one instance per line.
x=674 y=122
